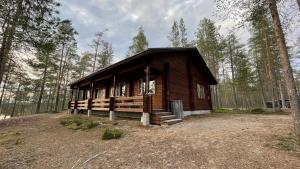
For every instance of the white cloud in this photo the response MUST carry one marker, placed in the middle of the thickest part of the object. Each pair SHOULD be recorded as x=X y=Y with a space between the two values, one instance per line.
x=123 y=17
x=83 y=14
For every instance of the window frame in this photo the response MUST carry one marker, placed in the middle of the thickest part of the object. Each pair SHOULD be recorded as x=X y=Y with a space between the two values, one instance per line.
x=143 y=91
x=119 y=89
x=200 y=91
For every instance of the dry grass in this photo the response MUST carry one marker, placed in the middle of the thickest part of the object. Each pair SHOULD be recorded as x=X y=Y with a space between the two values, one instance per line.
x=9 y=139
x=289 y=142
x=213 y=141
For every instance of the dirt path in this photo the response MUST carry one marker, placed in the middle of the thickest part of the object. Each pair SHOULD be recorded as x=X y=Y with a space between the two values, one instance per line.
x=215 y=141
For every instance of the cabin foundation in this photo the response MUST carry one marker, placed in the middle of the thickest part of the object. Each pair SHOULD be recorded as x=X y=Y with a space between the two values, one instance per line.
x=145 y=119
x=111 y=115
x=89 y=113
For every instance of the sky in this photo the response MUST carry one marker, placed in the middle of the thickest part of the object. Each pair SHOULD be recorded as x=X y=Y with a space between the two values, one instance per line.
x=122 y=18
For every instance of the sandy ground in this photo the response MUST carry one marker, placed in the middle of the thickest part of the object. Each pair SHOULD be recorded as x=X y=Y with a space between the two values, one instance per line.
x=211 y=141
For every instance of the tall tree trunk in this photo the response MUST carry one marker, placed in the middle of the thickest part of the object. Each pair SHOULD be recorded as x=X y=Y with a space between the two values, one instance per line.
x=7 y=40
x=5 y=50
x=95 y=58
x=15 y=101
x=286 y=66
x=59 y=78
x=270 y=61
x=38 y=106
x=7 y=77
x=262 y=89
x=232 y=76
x=281 y=95
x=49 y=99
x=298 y=4
x=4 y=109
x=65 y=91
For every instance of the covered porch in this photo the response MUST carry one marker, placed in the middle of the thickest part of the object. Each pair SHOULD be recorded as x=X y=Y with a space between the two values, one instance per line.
x=114 y=93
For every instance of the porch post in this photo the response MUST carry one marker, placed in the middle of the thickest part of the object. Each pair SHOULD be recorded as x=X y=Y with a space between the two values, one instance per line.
x=145 y=119
x=70 y=100
x=111 y=108
x=147 y=71
x=90 y=99
x=76 y=101
x=112 y=102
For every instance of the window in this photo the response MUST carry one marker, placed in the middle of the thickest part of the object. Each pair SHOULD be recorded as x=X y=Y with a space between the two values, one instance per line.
x=111 y=92
x=142 y=86
x=88 y=95
x=152 y=87
x=96 y=93
x=200 y=91
x=121 y=89
x=102 y=93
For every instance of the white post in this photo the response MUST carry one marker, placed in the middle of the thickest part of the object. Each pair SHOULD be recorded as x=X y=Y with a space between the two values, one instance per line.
x=89 y=112
x=76 y=111
x=111 y=115
x=145 y=119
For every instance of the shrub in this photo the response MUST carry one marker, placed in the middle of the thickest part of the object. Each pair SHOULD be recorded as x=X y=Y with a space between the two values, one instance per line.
x=10 y=139
x=112 y=134
x=228 y=111
x=76 y=123
x=257 y=111
x=290 y=142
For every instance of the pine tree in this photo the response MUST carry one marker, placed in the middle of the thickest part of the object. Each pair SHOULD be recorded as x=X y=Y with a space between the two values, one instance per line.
x=44 y=58
x=244 y=78
x=183 y=34
x=233 y=48
x=20 y=22
x=246 y=8
x=83 y=65
x=174 y=35
x=139 y=43
x=106 y=56
x=65 y=40
x=208 y=42
x=286 y=66
x=97 y=43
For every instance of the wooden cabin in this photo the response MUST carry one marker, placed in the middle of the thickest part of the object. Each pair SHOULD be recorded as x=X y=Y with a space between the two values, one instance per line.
x=146 y=85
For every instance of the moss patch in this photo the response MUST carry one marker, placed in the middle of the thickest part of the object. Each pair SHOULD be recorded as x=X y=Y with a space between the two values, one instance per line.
x=289 y=142
x=10 y=139
x=78 y=123
x=253 y=111
x=228 y=111
x=112 y=134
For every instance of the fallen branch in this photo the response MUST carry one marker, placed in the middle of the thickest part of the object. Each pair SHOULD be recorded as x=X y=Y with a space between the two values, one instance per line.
x=91 y=158
x=76 y=164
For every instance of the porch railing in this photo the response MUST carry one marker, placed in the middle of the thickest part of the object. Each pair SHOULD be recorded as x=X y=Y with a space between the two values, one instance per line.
x=100 y=104
x=118 y=104
x=72 y=104
x=129 y=104
x=82 y=104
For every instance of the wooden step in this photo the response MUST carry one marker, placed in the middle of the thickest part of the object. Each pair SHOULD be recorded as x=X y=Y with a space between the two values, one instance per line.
x=172 y=121
x=168 y=117
x=162 y=113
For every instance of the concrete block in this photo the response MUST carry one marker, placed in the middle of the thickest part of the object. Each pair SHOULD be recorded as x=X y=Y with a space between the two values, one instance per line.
x=145 y=119
x=111 y=115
